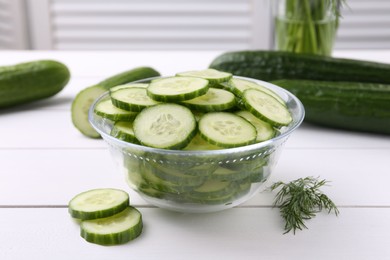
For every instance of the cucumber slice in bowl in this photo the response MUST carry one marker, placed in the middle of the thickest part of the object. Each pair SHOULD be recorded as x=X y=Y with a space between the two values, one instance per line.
x=214 y=100
x=114 y=230
x=212 y=75
x=98 y=203
x=132 y=99
x=266 y=107
x=106 y=109
x=175 y=89
x=166 y=126
x=226 y=130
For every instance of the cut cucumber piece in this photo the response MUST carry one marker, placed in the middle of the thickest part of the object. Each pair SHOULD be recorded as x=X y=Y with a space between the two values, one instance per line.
x=175 y=89
x=167 y=126
x=113 y=230
x=124 y=130
x=132 y=85
x=212 y=75
x=214 y=100
x=264 y=130
x=238 y=86
x=132 y=99
x=226 y=130
x=106 y=109
x=266 y=107
x=98 y=203
x=80 y=108
x=198 y=143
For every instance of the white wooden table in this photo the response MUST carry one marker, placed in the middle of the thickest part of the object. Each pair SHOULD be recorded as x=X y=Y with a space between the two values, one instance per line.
x=45 y=162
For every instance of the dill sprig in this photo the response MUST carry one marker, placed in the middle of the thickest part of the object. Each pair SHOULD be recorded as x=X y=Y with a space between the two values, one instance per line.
x=300 y=200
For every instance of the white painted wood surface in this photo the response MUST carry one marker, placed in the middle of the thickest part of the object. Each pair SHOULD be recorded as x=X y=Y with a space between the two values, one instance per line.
x=45 y=162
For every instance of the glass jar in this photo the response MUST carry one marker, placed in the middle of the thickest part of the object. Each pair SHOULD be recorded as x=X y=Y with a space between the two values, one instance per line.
x=306 y=26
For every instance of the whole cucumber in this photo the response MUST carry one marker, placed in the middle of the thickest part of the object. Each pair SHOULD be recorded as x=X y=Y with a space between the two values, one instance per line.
x=345 y=105
x=31 y=81
x=274 y=65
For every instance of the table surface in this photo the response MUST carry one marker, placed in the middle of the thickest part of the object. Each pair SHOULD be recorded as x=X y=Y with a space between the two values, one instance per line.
x=45 y=162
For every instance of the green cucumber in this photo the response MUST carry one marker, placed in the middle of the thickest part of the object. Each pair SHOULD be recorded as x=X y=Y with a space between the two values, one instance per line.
x=131 y=85
x=273 y=65
x=132 y=99
x=214 y=100
x=213 y=76
x=173 y=89
x=264 y=130
x=166 y=126
x=106 y=109
x=114 y=230
x=266 y=107
x=31 y=81
x=226 y=130
x=84 y=99
x=98 y=203
x=345 y=105
x=123 y=130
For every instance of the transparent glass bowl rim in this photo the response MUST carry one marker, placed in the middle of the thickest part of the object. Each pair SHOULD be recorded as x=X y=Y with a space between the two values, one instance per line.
x=248 y=148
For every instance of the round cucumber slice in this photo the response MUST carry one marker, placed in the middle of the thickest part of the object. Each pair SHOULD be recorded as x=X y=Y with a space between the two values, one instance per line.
x=131 y=85
x=132 y=99
x=214 y=100
x=175 y=89
x=106 y=109
x=124 y=131
x=212 y=75
x=114 y=230
x=266 y=107
x=264 y=130
x=98 y=203
x=226 y=130
x=166 y=126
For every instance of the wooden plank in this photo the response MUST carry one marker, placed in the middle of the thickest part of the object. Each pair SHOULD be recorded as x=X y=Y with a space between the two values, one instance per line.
x=52 y=176
x=252 y=233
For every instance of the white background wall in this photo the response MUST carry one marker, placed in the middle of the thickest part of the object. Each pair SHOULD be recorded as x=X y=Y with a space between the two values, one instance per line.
x=170 y=24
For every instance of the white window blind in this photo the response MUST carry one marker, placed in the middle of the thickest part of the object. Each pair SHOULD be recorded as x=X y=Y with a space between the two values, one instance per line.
x=13 y=34
x=154 y=24
x=365 y=25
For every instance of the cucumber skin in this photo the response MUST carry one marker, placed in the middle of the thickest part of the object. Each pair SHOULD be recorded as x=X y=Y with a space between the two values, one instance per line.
x=31 y=81
x=118 y=79
x=353 y=106
x=274 y=65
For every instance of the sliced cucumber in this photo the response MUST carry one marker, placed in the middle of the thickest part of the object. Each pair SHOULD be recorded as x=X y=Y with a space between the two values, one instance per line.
x=266 y=107
x=167 y=126
x=80 y=108
x=238 y=86
x=124 y=130
x=226 y=130
x=106 y=109
x=131 y=85
x=98 y=203
x=114 y=230
x=214 y=189
x=264 y=130
x=212 y=75
x=198 y=143
x=214 y=100
x=132 y=99
x=175 y=89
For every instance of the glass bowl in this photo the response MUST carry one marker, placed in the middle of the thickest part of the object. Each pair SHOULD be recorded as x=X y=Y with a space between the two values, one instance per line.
x=199 y=181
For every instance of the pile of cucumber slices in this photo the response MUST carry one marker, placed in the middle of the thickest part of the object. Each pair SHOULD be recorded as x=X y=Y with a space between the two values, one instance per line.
x=106 y=216
x=168 y=113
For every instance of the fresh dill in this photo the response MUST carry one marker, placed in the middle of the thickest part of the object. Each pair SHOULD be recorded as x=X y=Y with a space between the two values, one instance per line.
x=300 y=200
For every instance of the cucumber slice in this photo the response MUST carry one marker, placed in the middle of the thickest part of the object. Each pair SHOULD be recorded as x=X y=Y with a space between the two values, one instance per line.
x=212 y=75
x=198 y=143
x=175 y=89
x=214 y=100
x=132 y=99
x=106 y=109
x=98 y=203
x=114 y=230
x=167 y=126
x=124 y=130
x=226 y=130
x=266 y=107
x=238 y=86
x=264 y=130
x=214 y=189
x=132 y=85
x=80 y=108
